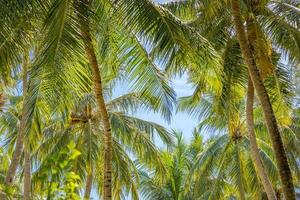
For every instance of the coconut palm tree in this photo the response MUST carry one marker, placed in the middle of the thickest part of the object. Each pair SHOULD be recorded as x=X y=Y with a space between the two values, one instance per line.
x=129 y=134
x=14 y=46
x=269 y=15
x=232 y=174
x=248 y=54
x=224 y=174
x=10 y=122
x=234 y=79
x=127 y=102
x=178 y=159
x=17 y=40
x=218 y=168
x=235 y=76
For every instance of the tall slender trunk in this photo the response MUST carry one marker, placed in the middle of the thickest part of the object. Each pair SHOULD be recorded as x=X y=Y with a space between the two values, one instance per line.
x=240 y=186
x=49 y=195
x=21 y=132
x=1 y=100
x=90 y=171
x=88 y=186
x=27 y=174
x=278 y=148
x=83 y=15
x=254 y=147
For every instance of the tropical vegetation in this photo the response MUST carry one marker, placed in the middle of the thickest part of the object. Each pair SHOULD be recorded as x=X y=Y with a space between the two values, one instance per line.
x=76 y=75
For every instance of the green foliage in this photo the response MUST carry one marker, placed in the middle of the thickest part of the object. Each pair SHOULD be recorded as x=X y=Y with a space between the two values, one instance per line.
x=60 y=182
x=143 y=44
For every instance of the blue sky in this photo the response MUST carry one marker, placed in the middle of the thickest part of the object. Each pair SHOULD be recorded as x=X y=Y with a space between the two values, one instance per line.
x=180 y=121
x=162 y=1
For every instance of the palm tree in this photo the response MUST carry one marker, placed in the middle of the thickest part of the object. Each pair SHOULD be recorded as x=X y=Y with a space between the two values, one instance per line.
x=14 y=59
x=213 y=169
x=27 y=173
x=248 y=54
x=254 y=147
x=83 y=15
x=127 y=102
x=232 y=92
x=129 y=134
x=269 y=20
x=234 y=77
x=225 y=174
x=211 y=158
x=17 y=39
x=178 y=159
x=21 y=136
x=227 y=167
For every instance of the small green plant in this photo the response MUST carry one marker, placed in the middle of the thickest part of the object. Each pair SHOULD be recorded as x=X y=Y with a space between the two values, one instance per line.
x=63 y=183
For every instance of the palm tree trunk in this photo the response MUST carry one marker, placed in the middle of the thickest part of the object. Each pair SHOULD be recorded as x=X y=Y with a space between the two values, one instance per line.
x=280 y=155
x=83 y=12
x=1 y=100
x=241 y=185
x=21 y=133
x=254 y=147
x=88 y=187
x=49 y=195
x=27 y=174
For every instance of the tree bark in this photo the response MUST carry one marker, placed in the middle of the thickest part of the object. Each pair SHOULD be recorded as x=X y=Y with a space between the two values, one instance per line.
x=83 y=15
x=278 y=148
x=89 y=182
x=27 y=174
x=21 y=132
x=254 y=147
